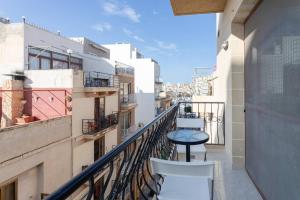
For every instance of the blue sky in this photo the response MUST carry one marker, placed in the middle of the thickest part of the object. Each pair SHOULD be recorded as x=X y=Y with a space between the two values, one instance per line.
x=178 y=43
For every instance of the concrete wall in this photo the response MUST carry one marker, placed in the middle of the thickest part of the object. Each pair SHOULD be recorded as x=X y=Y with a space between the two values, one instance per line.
x=29 y=156
x=120 y=52
x=111 y=140
x=53 y=78
x=144 y=89
x=111 y=104
x=90 y=47
x=83 y=155
x=11 y=48
x=229 y=86
x=26 y=138
x=83 y=109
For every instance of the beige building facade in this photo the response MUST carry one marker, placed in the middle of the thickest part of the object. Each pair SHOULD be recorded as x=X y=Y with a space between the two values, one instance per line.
x=70 y=95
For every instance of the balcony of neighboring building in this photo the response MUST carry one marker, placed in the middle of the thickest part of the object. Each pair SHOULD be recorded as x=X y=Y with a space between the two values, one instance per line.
x=127 y=102
x=98 y=82
x=93 y=81
x=128 y=132
x=94 y=127
x=124 y=70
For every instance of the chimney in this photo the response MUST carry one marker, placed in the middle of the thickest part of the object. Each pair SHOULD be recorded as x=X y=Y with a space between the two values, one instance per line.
x=12 y=96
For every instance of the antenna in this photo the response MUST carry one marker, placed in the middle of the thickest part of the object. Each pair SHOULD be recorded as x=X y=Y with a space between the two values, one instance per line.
x=24 y=19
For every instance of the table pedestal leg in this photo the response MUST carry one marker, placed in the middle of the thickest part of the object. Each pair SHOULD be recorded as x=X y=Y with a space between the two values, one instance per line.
x=188 y=153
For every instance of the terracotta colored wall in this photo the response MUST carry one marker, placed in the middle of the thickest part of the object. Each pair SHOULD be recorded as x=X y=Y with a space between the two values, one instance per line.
x=47 y=103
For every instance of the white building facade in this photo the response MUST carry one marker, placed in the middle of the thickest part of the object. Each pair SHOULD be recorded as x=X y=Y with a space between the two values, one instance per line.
x=147 y=73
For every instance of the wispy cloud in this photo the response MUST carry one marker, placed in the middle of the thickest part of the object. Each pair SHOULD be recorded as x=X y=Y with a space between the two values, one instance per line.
x=132 y=35
x=165 y=45
x=154 y=12
x=157 y=50
x=113 y=7
x=101 y=27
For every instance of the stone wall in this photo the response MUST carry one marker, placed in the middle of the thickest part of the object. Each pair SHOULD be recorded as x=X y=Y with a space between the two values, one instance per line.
x=12 y=106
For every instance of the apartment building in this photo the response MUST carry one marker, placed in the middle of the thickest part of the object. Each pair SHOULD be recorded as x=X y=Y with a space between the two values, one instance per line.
x=147 y=73
x=127 y=100
x=162 y=99
x=60 y=109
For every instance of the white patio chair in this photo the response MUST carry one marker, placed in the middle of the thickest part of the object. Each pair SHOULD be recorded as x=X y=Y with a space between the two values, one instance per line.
x=184 y=180
x=197 y=151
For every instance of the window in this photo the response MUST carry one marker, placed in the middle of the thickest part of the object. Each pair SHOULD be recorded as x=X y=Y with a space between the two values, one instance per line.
x=125 y=120
x=44 y=59
x=99 y=148
x=75 y=66
x=8 y=192
x=45 y=63
x=60 y=64
x=60 y=57
x=34 y=63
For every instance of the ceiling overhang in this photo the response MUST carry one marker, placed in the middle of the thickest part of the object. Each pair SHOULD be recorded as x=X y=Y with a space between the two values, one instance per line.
x=189 y=7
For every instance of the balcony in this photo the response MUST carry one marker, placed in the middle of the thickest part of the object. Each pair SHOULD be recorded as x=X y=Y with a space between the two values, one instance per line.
x=100 y=82
x=129 y=132
x=128 y=102
x=132 y=178
x=125 y=71
x=91 y=127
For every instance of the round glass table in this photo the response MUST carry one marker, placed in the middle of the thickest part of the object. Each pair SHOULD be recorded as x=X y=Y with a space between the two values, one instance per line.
x=187 y=137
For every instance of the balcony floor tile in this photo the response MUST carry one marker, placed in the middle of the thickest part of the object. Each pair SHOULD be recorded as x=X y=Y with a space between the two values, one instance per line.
x=230 y=184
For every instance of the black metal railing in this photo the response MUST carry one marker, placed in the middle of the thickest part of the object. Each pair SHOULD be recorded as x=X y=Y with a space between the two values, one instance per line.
x=92 y=126
x=213 y=116
x=128 y=98
x=99 y=79
x=125 y=169
x=125 y=70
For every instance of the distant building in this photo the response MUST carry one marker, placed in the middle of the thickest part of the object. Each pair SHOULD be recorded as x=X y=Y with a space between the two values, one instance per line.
x=147 y=73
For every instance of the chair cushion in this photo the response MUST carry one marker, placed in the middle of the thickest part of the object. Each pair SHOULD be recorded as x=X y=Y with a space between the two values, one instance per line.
x=194 y=148
x=184 y=188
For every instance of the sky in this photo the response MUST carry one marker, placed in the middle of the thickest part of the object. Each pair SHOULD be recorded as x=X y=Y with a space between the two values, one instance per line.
x=178 y=43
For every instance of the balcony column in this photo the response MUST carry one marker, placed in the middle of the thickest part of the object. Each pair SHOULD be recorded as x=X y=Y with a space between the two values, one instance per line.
x=237 y=92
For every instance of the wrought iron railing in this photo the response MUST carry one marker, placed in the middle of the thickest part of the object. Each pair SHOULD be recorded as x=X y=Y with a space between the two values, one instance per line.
x=99 y=79
x=92 y=126
x=213 y=116
x=125 y=169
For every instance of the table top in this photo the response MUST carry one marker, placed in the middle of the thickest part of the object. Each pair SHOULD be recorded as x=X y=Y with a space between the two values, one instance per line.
x=188 y=137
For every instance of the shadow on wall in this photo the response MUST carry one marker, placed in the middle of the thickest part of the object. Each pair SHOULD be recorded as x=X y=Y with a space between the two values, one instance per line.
x=47 y=104
x=0 y=104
